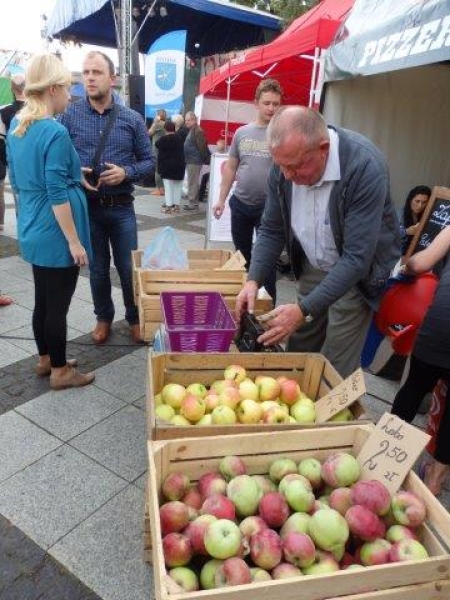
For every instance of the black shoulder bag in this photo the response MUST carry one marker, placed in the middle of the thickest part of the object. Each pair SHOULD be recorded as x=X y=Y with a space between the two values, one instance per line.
x=93 y=177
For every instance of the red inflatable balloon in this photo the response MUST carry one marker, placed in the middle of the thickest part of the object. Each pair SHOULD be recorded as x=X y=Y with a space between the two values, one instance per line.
x=403 y=308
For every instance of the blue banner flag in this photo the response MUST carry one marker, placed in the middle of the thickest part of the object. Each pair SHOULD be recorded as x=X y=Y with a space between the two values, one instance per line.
x=164 y=74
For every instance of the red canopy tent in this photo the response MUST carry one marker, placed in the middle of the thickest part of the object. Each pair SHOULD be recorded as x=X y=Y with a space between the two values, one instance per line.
x=226 y=94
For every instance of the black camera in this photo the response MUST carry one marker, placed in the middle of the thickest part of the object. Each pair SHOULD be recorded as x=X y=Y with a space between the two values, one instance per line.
x=94 y=176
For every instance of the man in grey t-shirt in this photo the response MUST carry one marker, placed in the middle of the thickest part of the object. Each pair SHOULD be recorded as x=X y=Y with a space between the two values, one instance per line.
x=249 y=164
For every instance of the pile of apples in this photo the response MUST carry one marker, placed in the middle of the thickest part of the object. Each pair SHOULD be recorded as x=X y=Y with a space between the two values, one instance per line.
x=232 y=528
x=238 y=399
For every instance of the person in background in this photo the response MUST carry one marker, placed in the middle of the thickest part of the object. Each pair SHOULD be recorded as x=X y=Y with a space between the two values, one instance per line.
x=52 y=224
x=7 y=114
x=156 y=132
x=171 y=166
x=195 y=152
x=180 y=127
x=415 y=204
x=430 y=359
x=329 y=203
x=248 y=164
x=126 y=158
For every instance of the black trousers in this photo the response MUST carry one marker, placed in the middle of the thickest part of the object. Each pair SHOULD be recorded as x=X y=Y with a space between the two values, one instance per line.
x=245 y=220
x=53 y=291
x=421 y=379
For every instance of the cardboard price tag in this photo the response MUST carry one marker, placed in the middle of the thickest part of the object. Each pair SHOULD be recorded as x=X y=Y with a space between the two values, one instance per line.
x=342 y=396
x=390 y=451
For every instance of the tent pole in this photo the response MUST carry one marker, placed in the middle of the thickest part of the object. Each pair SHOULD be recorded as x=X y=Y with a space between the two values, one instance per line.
x=227 y=112
x=313 y=77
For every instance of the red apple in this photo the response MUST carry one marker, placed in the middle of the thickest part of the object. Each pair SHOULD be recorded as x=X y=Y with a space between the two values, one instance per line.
x=269 y=388
x=229 y=397
x=373 y=495
x=285 y=571
x=211 y=401
x=299 y=549
x=174 y=516
x=192 y=408
x=408 y=509
x=231 y=466
x=289 y=391
x=251 y=525
x=193 y=497
x=233 y=571
x=273 y=509
x=212 y=483
x=196 y=530
x=340 y=499
x=375 y=553
x=177 y=549
x=365 y=524
x=220 y=506
x=175 y=486
x=266 y=549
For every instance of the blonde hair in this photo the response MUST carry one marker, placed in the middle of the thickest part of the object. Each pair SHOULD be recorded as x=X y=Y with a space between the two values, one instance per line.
x=43 y=71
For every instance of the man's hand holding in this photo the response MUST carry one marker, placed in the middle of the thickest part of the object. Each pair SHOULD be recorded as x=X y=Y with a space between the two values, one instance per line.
x=246 y=299
x=112 y=175
x=218 y=208
x=280 y=322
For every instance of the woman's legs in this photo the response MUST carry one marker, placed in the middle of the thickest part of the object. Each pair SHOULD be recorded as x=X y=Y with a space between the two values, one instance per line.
x=422 y=378
x=54 y=288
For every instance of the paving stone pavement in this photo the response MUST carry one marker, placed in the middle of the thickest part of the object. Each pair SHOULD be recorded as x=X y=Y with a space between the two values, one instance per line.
x=72 y=463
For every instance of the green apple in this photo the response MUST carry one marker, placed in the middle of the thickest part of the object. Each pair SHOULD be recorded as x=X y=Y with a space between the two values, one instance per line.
x=311 y=469
x=249 y=390
x=157 y=400
x=208 y=574
x=185 y=578
x=328 y=529
x=197 y=389
x=299 y=497
x=249 y=411
x=165 y=412
x=343 y=415
x=280 y=467
x=205 y=421
x=243 y=491
x=222 y=539
x=173 y=394
x=223 y=415
x=303 y=412
x=180 y=421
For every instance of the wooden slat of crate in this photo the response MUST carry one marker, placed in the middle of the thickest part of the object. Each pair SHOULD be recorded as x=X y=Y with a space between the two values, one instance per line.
x=315 y=374
x=422 y=580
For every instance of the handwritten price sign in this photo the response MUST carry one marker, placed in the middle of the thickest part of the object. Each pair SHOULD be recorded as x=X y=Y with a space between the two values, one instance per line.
x=390 y=451
x=342 y=396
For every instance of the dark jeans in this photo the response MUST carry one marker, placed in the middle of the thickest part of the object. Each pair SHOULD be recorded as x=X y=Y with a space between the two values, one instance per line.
x=421 y=379
x=53 y=291
x=112 y=228
x=244 y=220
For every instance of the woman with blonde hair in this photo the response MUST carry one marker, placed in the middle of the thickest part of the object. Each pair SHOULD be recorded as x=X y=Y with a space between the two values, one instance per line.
x=53 y=228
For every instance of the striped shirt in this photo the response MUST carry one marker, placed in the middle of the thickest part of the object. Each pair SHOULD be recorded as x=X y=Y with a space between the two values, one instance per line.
x=128 y=144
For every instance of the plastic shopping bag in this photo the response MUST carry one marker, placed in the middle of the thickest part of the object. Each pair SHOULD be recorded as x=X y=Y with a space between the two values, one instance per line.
x=165 y=252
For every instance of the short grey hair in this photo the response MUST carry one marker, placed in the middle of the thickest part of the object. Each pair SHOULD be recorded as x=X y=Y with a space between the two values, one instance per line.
x=304 y=121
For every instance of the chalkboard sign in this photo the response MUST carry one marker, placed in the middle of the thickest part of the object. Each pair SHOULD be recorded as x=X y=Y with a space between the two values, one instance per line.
x=435 y=218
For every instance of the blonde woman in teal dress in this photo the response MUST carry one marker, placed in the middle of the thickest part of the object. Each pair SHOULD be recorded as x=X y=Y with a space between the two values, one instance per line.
x=52 y=222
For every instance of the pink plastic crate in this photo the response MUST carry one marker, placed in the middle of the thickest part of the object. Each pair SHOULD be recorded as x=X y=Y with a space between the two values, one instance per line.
x=197 y=321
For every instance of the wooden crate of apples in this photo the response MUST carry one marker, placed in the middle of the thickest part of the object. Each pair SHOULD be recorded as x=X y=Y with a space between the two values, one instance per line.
x=285 y=515
x=203 y=394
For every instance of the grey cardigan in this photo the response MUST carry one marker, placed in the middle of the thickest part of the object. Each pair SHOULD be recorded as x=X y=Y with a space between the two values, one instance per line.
x=363 y=221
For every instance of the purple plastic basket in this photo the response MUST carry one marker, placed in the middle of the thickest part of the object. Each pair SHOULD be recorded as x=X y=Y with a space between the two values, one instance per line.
x=197 y=321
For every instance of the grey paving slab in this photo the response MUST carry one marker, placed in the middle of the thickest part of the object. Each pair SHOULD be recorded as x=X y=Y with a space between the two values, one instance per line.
x=105 y=551
x=381 y=388
x=81 y=316
x=117 y=443
x=68 y=413
x=13 y=316
x=125 y=378
x=141 y=482
x=21 y=444
x=23 y=337
x=9 y=353
x=142 y=353
x=53 y=495
x=140 y=403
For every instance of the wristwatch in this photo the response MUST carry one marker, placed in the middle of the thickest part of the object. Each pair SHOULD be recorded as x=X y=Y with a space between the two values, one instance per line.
x=308 y=317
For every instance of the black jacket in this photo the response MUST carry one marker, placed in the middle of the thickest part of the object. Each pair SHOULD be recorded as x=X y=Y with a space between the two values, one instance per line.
x=171 y=163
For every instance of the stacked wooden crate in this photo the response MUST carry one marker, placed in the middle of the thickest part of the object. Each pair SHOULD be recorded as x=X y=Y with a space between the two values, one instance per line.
x=209 y=271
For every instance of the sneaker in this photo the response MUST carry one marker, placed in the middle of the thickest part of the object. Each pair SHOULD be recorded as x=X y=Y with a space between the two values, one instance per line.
x=175 y=209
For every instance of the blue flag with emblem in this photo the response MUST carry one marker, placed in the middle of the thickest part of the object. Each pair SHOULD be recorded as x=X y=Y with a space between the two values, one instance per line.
x=164 y=74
